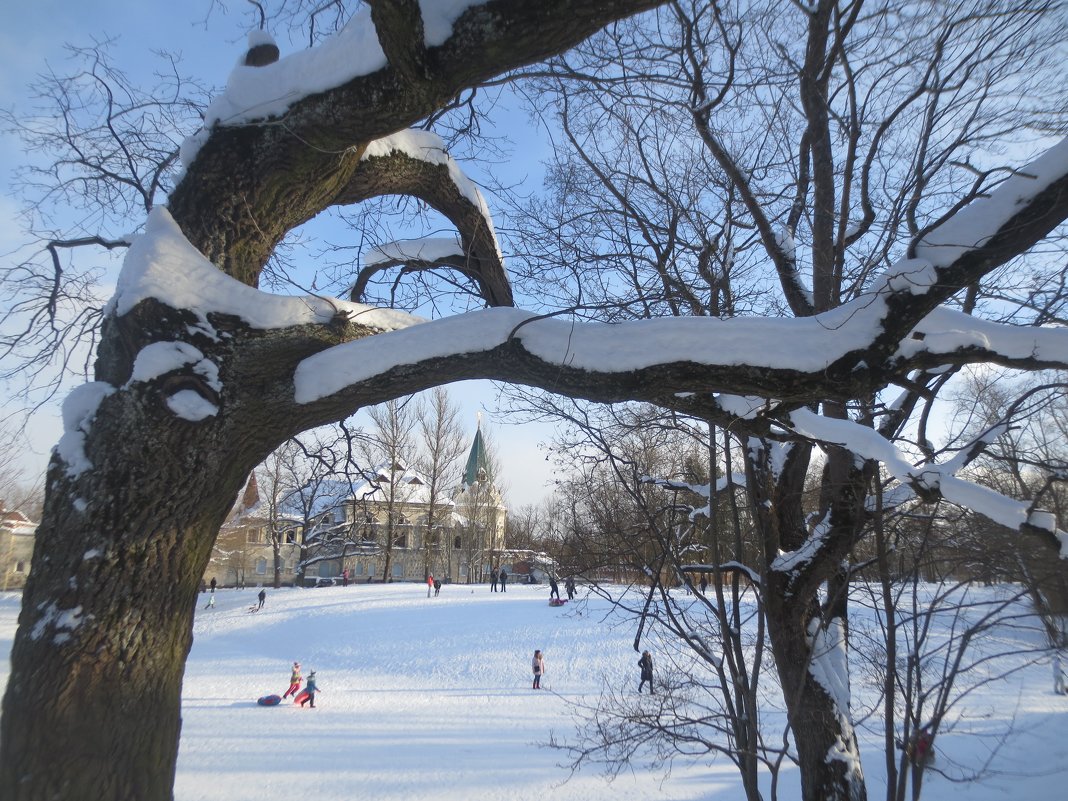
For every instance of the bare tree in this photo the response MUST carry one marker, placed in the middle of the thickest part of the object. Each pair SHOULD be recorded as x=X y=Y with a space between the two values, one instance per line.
x=774 y=159
x=938 y=637
x=391 y=450
x=442 y=447
x=672 y=523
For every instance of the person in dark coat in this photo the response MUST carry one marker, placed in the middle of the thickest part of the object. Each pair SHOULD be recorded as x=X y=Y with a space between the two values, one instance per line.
x=569 y=586
x=646 y=665
x=504 y=580
x=554 y=589
x=493 y=580
x=310 y=689
x=263 y=598
x=213 y=583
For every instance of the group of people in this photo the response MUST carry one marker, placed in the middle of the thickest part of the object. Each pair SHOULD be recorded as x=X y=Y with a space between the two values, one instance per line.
x=432 y=585
x=498 y=576
x=262 y=597
x=305 y=696
x=569 y=587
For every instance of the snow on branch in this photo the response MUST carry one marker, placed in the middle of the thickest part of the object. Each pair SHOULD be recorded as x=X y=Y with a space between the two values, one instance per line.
x=430 y=250
x=928 y=481
x=429 y=147
x=415 y=163
x=977 y=223
x=162 y=264
x=945 y=332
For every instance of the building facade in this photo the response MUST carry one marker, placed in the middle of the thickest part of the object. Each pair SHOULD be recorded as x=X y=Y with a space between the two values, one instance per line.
x=387 y=526
x=16 y=548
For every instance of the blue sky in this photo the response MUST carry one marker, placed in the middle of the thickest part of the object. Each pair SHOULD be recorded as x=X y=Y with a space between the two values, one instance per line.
x=32 y=42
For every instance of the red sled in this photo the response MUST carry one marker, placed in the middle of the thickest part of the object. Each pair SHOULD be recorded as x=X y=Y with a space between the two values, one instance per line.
x=556 y=602
x=300 y=697
x=270 y=700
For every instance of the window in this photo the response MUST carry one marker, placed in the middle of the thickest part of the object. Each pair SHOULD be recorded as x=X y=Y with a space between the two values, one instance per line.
x=254 y=535
x=261 y=566
x=20 y=567
x=463 y=570
x=398 y=571
x=456 y=543
x=359 y=569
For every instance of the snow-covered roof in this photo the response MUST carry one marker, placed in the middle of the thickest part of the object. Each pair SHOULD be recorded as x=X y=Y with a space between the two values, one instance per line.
x=410 y=487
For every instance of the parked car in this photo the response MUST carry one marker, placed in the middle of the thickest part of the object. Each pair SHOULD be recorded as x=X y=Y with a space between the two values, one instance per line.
x=325 y=582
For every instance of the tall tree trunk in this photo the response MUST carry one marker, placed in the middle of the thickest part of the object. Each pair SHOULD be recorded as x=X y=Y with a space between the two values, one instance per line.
x=139 y=525
x=827 y=750
x=799 y=564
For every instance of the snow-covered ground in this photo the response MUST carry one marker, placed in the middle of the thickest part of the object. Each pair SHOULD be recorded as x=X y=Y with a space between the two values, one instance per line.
x=431 y=698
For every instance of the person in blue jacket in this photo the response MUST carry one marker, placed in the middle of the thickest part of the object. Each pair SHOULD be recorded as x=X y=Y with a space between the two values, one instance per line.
x=310 y=688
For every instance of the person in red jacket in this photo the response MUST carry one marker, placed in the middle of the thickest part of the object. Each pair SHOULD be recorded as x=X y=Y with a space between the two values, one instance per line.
x=294 y=681
x=429 y=584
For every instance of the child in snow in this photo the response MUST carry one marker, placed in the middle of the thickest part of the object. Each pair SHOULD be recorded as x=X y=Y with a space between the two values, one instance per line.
x=211 y=600
x=309 y=691
x=646 y=665
x=538 y=665
x=294 y=681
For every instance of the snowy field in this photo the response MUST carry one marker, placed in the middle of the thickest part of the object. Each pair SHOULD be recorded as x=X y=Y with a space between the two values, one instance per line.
x=430 y=698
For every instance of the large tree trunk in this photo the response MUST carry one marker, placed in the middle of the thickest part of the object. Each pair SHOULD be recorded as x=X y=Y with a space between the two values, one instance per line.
x=136 y=496
x=107 y=616
x=797 y=623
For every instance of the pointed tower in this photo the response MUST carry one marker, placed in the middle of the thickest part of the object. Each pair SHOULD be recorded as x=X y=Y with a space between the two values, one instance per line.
x=482 y=514
x=251 y=498
x=478 y=465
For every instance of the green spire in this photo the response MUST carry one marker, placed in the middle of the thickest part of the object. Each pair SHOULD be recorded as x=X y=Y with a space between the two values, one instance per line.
x=478 y=466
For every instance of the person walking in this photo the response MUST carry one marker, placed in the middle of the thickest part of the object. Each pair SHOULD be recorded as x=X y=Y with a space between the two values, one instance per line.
x=211 y=602
x=263 y=598
x=537 y=664
x=294 y=681
x=569 y=586
x=503 y=576
x=429 y=584
x=309 y=691
x=554 y=588
x=646 y=665
x=493 y=580
x=213 y=584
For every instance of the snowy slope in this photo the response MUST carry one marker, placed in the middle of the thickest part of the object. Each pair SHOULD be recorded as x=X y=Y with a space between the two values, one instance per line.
x=431 y=698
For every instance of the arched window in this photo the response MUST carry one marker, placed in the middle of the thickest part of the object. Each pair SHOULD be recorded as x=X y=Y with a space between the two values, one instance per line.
x=456 y=543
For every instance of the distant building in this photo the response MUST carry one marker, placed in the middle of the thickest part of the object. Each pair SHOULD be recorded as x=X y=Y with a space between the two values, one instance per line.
x=16 y=547
x=339 y=528
x=244 y=551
